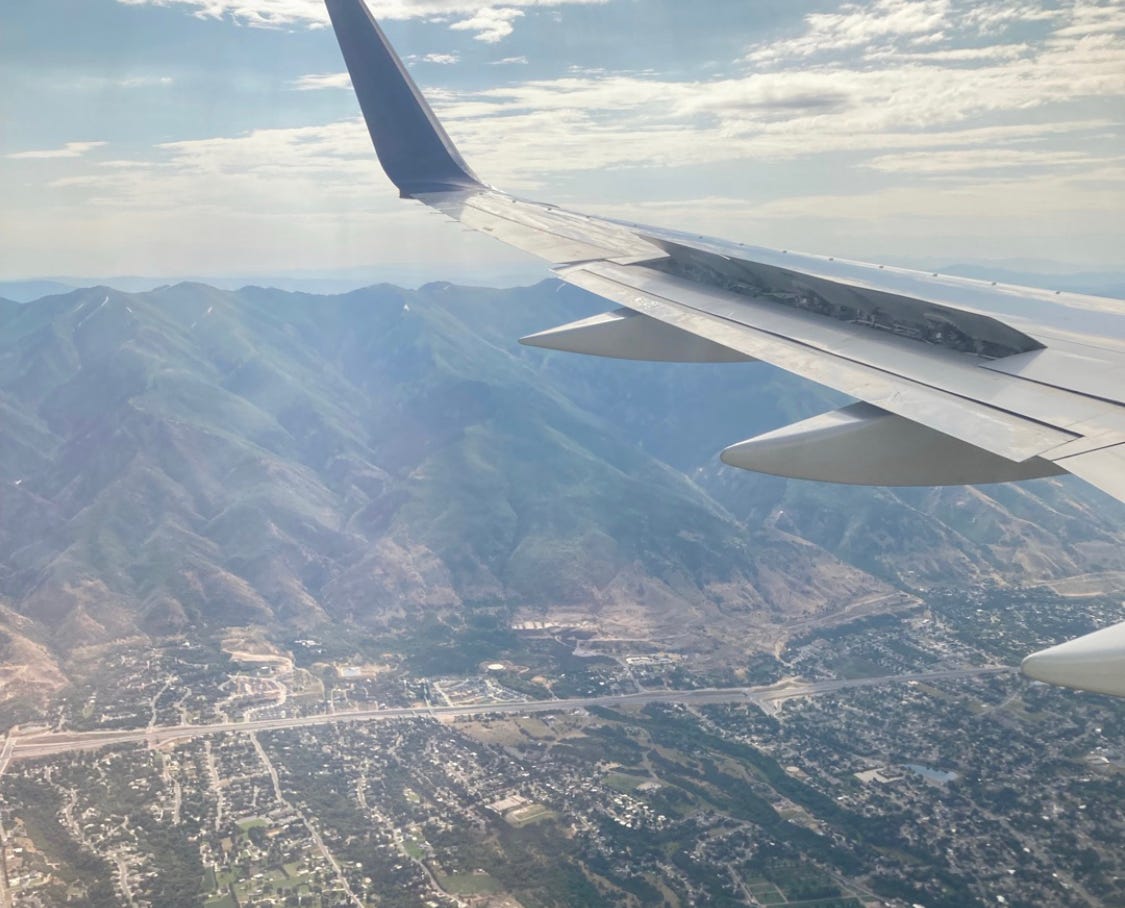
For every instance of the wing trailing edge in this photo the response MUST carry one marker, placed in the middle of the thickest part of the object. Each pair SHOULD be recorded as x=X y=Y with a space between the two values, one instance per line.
x=1104 y=468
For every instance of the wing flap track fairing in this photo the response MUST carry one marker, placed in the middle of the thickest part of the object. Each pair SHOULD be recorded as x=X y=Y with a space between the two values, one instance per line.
x=864 y=445
x=625 y=334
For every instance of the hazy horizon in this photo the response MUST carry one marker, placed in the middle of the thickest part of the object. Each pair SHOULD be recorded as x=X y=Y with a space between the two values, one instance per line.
x=1105 y=281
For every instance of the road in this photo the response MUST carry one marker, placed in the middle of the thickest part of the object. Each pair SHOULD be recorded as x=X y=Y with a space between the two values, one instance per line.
x=5 y=892
x=313 y=832
x=23 y=747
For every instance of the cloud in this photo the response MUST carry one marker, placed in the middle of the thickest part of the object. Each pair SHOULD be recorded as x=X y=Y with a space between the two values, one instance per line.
x=1095 y=19
x=1071 y=217
x=995 y=17
x=993 y=128
x=961 y=161
x=953 y=54
x=885 y=27
x=1014 y=200
x=491 y=25
x=320 y=190
x=274 y=171
x=439 y=59
x=257 y=13
x=972 y=209
x=69 y=150
x=318 y=81
x=271 y=199
x=145 y=81
x=880 y=108
x=857 y=25
x=873 y=101
x=509 y=61
x=531 y=130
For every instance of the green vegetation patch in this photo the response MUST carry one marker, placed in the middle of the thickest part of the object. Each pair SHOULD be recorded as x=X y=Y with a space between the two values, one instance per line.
x=253 y=823
x=802 y=882
x=857 y=666
x=468 y=883
x=624 y=782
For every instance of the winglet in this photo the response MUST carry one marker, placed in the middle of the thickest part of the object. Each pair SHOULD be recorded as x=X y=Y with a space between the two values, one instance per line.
x=412 y=146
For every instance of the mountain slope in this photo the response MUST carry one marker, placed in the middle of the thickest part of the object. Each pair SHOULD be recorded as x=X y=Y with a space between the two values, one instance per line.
x=192 y=457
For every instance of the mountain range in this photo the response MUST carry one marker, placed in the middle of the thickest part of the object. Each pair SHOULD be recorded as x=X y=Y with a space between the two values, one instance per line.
x=191 y=458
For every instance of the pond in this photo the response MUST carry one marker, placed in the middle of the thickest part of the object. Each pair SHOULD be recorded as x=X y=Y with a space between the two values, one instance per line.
x=940 y=776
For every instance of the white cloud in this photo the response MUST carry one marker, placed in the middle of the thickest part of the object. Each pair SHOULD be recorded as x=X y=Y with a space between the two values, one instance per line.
x=273 y=172
x=492 y=24
x=510 y=61
x=69 y=150
x=1030 y=201
x=960 y=161
x=887 y=100
x=987 y=97
x=572 y=124
x=438 y=59
x=893 y=27
x=318 y=81
x=1095 y=19
x=1072 y=217
x=145 y=81
x=995 y=17
x=857 y=25
x=946 y=111
x=270 y=200
x=258 y=13
x=952 y=54
x=986 y=135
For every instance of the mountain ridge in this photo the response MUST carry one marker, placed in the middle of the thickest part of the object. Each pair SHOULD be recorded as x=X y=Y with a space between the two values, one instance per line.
x=195 y=458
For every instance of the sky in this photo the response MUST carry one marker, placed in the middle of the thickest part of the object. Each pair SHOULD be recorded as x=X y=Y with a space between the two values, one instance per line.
x=220 y=137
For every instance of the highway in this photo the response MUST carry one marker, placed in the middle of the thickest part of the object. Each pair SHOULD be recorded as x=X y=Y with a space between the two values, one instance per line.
x=22 y=747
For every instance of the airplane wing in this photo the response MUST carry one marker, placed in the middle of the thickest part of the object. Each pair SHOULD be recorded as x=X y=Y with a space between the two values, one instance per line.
x=957 y=381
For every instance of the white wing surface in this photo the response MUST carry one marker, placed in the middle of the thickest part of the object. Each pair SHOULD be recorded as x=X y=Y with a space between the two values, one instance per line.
x=959 y=381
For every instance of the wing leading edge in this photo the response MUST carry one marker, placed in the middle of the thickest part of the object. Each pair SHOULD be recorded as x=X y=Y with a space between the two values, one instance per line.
x=961 y=381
